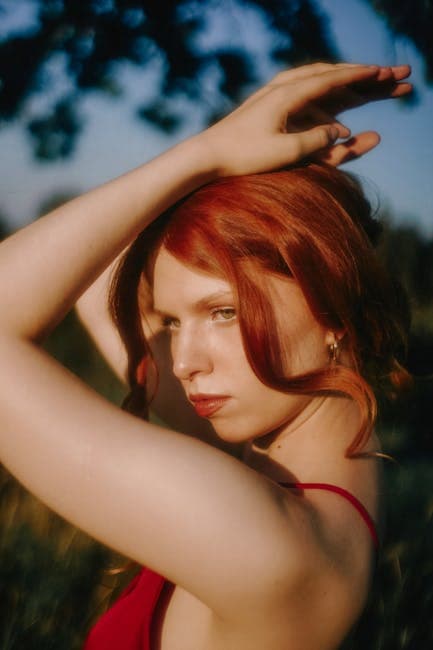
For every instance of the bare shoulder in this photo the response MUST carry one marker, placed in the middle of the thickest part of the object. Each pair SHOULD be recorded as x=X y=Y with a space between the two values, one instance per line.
x=321 y=589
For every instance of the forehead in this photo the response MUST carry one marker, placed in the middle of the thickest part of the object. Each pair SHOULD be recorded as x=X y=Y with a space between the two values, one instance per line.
x=175 y=283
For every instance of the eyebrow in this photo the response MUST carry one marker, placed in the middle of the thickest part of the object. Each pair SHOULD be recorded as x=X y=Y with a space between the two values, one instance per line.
x=203 y=303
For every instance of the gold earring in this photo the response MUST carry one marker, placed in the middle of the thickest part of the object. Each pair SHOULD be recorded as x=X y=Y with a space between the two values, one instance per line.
x=334 y=351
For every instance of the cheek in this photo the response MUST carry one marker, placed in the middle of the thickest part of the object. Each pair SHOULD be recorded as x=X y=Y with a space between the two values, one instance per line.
x=303 y=341
x=225 y=344
x=258 y=411
x=306 y=349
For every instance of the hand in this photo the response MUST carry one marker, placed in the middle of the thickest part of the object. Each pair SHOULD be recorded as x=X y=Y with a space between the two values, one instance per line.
x=294 y=117
x=388 y=84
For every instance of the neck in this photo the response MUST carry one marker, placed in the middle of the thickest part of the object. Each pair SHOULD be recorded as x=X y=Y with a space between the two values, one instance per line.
x=311 y=446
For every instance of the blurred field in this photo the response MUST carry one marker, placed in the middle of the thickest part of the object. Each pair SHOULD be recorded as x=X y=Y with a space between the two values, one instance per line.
x=399 y=613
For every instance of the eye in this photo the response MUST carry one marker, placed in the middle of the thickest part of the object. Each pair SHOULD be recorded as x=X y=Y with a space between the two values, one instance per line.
x=224 y=314
x=170 y=323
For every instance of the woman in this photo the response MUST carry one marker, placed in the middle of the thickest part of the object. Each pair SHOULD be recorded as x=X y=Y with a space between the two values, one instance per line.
x=256 y=553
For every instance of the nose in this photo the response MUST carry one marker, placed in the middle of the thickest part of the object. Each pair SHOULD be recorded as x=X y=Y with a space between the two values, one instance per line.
x=190 y=353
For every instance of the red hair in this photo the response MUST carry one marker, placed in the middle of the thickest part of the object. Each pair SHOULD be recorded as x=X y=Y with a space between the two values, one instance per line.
x=311 y=223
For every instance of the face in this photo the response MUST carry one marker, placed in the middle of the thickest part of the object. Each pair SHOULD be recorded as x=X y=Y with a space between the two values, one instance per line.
x=208 y=355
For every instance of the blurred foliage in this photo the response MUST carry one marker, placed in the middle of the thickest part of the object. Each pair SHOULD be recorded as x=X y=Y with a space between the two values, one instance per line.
x=71 y=345
x=398 y=615
x=47 y=599
x=70 y=49
x=413 y=20
x=53 y=581
x=409 y=258
x=59 y=51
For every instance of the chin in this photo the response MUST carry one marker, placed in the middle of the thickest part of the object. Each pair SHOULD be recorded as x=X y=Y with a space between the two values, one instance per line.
x=229 y=433
x=230 y=437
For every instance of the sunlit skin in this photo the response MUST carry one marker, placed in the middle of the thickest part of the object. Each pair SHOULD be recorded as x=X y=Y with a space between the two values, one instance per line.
x=208 y=355
x=255 y=565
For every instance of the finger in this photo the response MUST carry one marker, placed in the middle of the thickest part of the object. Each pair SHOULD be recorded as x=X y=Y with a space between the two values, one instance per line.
x=297 y=95
x=399 y=90
x=311 y=69
x=313 y=116
x=297 y=74
x=343 y=99
x=351 y=149
x=383 y=83
x=300 y=145
x=305 y=71
x=401 y=71
x=293 y=74
x=384 y=73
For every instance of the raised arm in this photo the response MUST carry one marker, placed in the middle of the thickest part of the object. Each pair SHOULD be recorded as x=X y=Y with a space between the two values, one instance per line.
x=170 y=403
x=161 y=498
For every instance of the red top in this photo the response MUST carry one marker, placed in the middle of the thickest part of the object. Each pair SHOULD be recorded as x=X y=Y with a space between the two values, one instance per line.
x=133 y=622
x=356 y=503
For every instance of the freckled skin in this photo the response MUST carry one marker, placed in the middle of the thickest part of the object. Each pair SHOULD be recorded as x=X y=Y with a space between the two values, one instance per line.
x=208 y=355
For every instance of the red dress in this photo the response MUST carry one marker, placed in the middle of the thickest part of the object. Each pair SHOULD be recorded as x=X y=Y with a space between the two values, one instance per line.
x=133 y=622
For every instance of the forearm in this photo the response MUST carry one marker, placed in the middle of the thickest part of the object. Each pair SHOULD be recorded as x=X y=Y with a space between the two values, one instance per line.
x=45 y=267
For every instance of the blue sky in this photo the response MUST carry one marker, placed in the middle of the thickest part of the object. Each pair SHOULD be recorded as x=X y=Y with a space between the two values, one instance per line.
x=398 y=172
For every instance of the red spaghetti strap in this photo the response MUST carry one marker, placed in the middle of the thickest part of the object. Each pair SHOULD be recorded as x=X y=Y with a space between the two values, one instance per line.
x=346 y=495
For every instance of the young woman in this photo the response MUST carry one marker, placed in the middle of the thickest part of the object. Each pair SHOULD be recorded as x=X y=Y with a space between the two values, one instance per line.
x=278 y=317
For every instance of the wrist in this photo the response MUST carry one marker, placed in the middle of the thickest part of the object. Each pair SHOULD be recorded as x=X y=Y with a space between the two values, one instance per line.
x=199 y=159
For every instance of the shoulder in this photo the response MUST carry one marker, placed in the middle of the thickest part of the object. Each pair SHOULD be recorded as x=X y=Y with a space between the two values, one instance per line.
x=317 y=588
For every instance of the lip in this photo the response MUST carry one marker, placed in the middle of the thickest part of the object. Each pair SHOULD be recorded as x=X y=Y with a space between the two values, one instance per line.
x=206 y=405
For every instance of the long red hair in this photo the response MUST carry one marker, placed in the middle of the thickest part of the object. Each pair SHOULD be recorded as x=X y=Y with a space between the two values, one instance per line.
x=311 y=223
